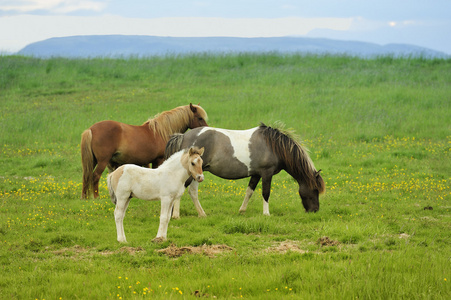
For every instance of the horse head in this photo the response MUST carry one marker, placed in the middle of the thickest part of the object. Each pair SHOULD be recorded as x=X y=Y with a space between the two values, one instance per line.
x=199 y=117
x=310 y=194
x=195 y=163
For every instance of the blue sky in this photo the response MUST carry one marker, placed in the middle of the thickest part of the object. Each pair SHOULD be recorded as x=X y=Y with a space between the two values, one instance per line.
x=423 y=23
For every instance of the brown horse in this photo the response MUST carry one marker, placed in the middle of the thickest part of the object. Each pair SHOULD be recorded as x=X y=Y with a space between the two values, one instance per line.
x=112 y=144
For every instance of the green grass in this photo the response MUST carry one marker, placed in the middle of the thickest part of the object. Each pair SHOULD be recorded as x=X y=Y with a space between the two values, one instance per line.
x=378 y=128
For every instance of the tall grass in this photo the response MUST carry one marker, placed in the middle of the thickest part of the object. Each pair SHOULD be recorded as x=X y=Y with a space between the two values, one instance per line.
x=378 y=128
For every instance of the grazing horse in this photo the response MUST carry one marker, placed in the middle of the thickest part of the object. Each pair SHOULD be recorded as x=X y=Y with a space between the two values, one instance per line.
x=166 y=183
x=112 y=144
x=259 y=153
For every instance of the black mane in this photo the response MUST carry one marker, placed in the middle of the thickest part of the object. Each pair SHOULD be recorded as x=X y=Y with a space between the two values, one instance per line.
x=294 y=155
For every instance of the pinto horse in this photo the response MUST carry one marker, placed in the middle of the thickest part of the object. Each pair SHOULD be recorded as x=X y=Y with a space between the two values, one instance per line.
x=259 y=153
x=112 y=144
x=166 y=183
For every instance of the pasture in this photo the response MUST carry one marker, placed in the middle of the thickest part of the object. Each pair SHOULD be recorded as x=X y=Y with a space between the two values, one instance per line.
x=379 y=129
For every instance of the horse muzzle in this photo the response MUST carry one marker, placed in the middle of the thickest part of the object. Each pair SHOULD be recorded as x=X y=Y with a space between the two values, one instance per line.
x=312 y=209
x=200 y=178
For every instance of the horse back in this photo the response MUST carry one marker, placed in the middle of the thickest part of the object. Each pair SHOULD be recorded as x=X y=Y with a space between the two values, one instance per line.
x=123 y=143
x=230 y=154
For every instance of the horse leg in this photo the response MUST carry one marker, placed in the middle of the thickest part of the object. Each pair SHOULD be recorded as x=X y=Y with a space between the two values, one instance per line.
x=266 y=191
x=119 y=214
x=165 y=215
x=193 y=192
x=101 y=165
x=250 y=190
x=88 y=162
x=176 y=207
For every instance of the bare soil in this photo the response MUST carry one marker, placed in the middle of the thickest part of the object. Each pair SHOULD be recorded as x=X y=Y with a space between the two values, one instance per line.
x=208 y=250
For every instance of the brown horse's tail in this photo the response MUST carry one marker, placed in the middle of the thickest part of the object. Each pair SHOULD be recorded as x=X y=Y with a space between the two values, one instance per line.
x=174 y=144
x=87 y=161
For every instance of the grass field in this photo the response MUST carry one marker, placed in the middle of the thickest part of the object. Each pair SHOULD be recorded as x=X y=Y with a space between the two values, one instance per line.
x=379 y=129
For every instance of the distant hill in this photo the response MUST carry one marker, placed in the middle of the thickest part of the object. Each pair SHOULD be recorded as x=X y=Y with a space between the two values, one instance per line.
x=142 y=46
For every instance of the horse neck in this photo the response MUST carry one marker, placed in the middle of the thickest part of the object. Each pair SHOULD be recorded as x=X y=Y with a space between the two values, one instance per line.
x=304 y=174
x=298 y=177
x=181 y=129
x=175 y=166
x=293 y=157
x=170 y=122
x=298 y=168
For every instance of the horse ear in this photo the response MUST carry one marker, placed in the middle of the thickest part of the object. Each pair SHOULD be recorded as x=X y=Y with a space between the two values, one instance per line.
x=191 y=151
x=320 y=183
x=201 y=151
x=193 y=108
x=318 y=173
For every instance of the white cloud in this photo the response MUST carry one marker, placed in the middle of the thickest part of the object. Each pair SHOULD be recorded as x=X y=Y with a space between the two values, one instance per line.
x=362 y=24
x=51 y=6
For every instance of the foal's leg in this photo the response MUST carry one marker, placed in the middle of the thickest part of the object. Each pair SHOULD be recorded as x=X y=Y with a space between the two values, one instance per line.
x=193 y=188
x=250 y=190
x=193 y=192
x=176 y=206
x=119 y=214
x=176 y=209
x=165 y=215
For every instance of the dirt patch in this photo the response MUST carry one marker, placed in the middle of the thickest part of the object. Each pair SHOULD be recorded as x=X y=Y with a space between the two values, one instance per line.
x=199 y=294
x=78 y=250
x=208 y=250
x=404 y=236
x=286 y=246
x=325 y=241
x=131 y=250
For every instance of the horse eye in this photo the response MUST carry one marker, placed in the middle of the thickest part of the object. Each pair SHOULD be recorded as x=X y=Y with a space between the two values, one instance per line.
x=192 y=164
x=200 y=119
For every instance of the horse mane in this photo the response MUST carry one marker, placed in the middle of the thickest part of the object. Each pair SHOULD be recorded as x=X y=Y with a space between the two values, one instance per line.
x=173 y=121
x=175 y=156
x=293 y=154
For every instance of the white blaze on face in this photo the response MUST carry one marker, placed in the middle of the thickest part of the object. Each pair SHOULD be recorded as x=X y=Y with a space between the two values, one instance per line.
x=240 y=140
x=198 y=170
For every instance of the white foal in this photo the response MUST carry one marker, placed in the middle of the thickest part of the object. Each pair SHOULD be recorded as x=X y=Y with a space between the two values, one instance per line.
x=166 y=183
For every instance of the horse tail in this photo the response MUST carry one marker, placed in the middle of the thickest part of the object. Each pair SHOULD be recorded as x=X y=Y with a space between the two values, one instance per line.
x=110 y=188
x=87 y=162
x=174 y=145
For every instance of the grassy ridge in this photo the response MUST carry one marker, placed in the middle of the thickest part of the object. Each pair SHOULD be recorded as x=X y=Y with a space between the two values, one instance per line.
x=378 y=128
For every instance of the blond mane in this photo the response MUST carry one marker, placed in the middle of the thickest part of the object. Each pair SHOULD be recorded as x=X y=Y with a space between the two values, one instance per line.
x=176 y=120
